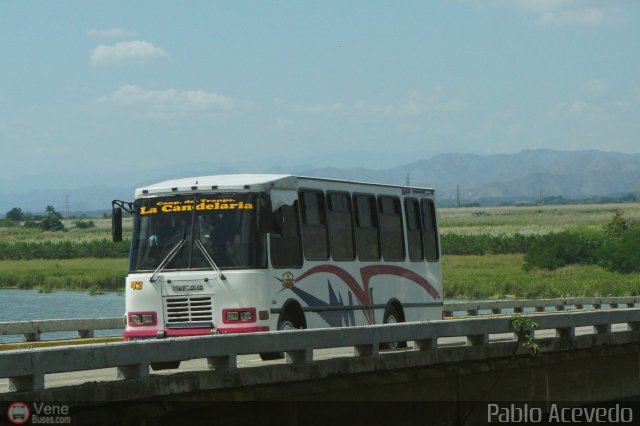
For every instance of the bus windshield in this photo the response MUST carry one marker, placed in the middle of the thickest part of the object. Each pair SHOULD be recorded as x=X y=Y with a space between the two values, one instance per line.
x=225 y=224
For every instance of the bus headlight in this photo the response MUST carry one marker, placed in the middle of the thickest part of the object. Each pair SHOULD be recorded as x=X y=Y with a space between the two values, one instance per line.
x=148 y=318
x=239 y=315
x=137 y=319
x=246 y=316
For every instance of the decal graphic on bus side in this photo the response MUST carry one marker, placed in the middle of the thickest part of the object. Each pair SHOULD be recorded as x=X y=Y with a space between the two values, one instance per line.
x=362 y=293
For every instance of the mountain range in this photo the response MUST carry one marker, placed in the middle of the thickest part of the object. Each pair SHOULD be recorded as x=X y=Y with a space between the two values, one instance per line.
x=488 y=179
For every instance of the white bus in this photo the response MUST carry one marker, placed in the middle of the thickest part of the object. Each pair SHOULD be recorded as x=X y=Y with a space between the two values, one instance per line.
x=253 y=253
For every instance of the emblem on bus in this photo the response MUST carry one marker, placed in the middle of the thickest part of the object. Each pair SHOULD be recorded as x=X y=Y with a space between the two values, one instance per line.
x=188 y=287
x=288 y=280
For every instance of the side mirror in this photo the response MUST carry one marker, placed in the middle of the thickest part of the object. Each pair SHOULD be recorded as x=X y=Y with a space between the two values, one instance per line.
x=116 y=224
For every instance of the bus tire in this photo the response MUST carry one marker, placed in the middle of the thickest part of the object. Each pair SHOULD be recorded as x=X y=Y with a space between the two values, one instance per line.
x=393 y=315
x=285 y=322
x=167 y=365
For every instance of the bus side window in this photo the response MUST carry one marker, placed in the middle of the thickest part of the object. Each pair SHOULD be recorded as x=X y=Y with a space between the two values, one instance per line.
x=430 y=231
x=391 y=235
x=414 y=230
x=340 y=226
x=367 y=237
x=286 y=247
x=314 y=225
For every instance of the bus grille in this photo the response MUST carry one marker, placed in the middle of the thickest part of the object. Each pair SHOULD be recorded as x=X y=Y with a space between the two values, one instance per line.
x=188 y=310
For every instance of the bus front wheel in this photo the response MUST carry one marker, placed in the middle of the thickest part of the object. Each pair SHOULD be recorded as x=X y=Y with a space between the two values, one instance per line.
x=286 y=322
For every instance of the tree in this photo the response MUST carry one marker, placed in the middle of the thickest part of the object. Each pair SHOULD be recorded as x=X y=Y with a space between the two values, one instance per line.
x=50 y=211
x=52 y=220
x=15 y=214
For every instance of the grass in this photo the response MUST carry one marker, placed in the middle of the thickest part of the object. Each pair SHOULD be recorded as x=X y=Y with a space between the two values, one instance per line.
x=530 y=220
x=68 y=274
x=502 y=276
x=465 y=277
x=101 y=231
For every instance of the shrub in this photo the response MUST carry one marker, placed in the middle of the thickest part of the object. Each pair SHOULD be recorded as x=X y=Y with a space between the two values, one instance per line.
x=479 y=244
x=553 y=251
x=63 y=250
x=621 y=252
x=51 y=223
x=8 y=223
x=84 y=224
x=618 y=225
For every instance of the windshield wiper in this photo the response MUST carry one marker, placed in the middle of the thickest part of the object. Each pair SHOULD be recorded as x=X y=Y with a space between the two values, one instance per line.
x=206 y=255
x=167 y=259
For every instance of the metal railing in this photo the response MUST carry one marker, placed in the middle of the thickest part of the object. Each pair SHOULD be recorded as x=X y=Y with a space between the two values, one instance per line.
x=26 y=369
x=538 y=305
x=84 y=327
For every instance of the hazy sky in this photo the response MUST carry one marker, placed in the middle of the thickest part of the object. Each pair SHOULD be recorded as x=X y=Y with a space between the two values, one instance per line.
x=132 y=85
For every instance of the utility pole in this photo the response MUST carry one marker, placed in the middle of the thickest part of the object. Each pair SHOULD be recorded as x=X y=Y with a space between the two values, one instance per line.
x=458 y=194
x=408 y=179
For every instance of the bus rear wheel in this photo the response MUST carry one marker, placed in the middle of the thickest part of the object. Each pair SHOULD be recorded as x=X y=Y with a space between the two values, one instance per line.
x=392 y=316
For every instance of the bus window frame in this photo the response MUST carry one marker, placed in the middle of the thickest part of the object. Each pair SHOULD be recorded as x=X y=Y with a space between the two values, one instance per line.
x=434 y=225
x=329 y=211
x=323 y=215
x=397 y=204
x=375 y=223
x=418 y=213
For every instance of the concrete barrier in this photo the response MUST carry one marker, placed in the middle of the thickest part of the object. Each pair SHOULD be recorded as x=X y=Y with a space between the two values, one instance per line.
x=26 y=369
x=85 y=327
x=538 y=305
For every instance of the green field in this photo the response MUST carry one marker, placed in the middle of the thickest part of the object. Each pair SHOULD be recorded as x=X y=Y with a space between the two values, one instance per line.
x=67 y=274
x=101 y=231
x=465 y=277
x=502 y=276
x=530 y=220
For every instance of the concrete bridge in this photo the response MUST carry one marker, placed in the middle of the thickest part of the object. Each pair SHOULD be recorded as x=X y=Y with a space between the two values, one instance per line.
x=585 y=355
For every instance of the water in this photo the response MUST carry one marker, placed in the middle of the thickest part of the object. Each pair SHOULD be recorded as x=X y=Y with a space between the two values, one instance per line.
x=28 y=305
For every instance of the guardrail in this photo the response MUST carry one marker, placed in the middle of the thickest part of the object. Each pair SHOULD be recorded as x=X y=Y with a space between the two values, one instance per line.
x=26 y=369
x=538 y=305
x=84 y=327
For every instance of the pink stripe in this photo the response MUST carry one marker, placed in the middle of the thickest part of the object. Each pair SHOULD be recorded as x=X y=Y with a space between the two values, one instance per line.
x=371 y=271
x=367 y=272
x=362 y=294
x=145 y=334
x=253 y=329
x=175 y=332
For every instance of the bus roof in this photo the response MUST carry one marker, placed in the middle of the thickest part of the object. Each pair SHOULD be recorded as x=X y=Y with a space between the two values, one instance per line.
x=256 y=182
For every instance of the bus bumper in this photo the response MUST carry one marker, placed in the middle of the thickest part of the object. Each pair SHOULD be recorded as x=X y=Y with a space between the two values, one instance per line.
x=184 y=332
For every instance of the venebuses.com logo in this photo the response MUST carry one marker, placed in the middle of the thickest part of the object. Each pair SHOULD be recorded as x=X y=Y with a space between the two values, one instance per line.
x=20 y=413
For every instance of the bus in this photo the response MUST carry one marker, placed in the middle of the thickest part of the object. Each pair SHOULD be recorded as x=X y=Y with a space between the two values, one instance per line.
x=258 y=252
